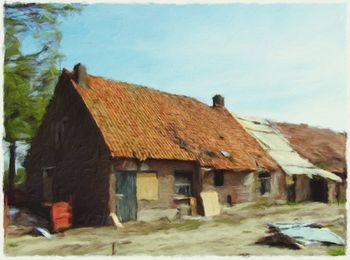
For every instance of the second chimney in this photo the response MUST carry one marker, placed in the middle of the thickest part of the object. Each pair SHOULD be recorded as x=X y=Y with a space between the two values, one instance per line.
x=80 y=75
x=218 y=101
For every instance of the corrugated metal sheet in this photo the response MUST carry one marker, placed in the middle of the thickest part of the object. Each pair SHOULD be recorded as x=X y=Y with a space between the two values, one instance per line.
x=307 y=233
x=144 y=123
x=273 y=142
x=280 y=150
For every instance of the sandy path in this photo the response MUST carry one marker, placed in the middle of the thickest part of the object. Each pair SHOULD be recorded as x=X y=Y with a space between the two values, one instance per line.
x=232 y=233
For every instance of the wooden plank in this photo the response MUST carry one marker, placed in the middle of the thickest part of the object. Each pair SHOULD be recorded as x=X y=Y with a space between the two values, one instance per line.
x=193 y=203
x=116 y=221
x=211 y=203
x=147 y=186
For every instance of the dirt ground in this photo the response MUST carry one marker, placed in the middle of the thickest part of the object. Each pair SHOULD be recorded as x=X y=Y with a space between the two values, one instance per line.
x=232 y=233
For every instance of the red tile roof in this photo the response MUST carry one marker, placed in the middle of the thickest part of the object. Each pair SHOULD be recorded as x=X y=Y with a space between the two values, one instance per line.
x=323 y=147
x=144 y=123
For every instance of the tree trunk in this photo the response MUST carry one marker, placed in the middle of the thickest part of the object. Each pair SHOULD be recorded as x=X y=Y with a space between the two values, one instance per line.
x=12 y=166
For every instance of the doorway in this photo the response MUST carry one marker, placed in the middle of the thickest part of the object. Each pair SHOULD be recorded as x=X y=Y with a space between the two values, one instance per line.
x=319 y=189
x=126 y=195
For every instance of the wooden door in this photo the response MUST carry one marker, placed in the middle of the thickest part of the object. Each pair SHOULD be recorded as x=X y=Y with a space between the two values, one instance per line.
x=126 y=196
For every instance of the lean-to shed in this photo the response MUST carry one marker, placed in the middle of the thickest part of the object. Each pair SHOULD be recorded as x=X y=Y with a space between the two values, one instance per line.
x=304 y=180
x=322 y=147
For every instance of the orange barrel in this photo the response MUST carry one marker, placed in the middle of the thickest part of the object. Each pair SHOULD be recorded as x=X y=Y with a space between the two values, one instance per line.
x=61 y=214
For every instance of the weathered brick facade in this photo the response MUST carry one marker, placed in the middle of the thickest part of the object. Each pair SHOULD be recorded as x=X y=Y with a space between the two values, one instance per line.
x=80 y=158
x=94 y=130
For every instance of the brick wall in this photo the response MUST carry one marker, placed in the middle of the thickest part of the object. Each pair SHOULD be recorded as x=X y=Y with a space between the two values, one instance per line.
x=77 y=152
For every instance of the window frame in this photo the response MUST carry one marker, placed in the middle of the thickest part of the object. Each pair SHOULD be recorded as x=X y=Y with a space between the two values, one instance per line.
x=265 y=183
x=187 y=184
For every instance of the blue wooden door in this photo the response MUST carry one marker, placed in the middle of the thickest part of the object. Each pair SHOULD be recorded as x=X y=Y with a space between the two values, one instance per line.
x=126 y=196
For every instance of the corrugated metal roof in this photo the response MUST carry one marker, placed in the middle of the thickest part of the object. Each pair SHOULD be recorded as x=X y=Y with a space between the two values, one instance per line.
x=279 y=148
x=144 y=123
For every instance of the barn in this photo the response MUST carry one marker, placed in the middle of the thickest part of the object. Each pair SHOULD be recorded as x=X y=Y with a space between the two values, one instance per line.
x=112 y=146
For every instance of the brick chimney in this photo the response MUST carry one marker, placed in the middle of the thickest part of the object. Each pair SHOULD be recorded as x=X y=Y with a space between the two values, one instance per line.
x=218 y=101
x=80 y=75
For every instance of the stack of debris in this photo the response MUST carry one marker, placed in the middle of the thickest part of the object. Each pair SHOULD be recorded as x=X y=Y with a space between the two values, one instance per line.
x=24 y=217
x=299 y=235
x=22 y=221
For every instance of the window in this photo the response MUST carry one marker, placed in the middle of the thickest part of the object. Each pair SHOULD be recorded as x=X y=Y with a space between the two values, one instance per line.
x=182 y=184
x=60 y=131
x=147 y=186
x=265 y=183
x=47 y=183
x=219 y=178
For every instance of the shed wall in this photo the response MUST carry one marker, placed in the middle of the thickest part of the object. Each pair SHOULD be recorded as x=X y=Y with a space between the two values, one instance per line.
x=303 y=191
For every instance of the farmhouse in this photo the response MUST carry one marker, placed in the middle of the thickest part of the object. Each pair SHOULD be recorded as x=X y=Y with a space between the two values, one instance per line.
x=323 y=147
x=133 y=150
x=304 y=181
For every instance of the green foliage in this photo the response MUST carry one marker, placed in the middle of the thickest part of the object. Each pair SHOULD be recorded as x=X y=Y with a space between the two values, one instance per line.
x=20 y=179
x=29 y=78
x=336 y=251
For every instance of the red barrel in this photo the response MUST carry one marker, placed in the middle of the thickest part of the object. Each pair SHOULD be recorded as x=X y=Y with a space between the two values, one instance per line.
x=61 y=214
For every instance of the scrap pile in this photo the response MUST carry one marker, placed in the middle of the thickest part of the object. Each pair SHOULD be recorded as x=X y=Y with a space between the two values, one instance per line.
x=299 y=235
x=22 y=221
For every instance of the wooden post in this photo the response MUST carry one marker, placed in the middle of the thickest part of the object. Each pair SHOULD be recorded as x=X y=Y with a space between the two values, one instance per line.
x=6 y=217
x=193 y=203
x=113 y=248
x=12 y=170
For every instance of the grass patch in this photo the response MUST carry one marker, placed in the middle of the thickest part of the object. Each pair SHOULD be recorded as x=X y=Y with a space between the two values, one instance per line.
x=294 y=203
x=342 y=200
x=12 y=244
x=336 y=250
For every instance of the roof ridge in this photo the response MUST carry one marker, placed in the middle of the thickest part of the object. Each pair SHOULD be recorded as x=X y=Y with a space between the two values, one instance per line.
x=135 y=85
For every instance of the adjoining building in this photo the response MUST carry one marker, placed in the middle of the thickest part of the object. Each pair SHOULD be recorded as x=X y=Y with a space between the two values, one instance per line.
x=322 y=147
x=304 y=180
x=116 y=147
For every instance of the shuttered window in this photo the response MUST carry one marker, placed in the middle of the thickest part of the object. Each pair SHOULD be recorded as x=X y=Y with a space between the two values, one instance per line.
x=147 y=186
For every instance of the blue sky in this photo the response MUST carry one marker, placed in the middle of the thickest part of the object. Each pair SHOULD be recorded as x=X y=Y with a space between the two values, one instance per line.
x=281 y=61
x=285 y=62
